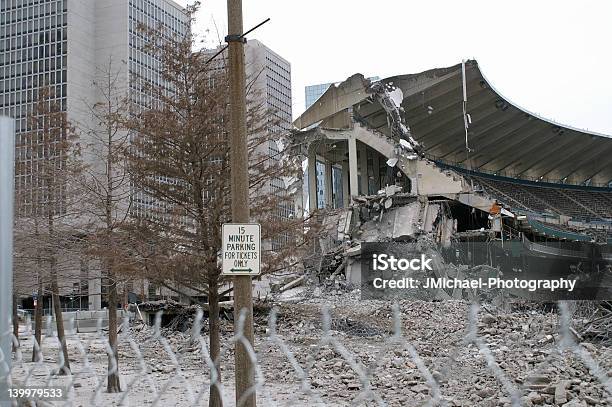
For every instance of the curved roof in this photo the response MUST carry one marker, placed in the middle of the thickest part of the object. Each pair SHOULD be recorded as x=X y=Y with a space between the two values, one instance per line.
x=504 y=138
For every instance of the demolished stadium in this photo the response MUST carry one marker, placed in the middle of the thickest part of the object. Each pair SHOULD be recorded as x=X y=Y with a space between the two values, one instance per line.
x=441 y=157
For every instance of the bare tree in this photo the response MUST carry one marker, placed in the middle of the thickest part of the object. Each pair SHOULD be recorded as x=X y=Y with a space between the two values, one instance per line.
x=53 y=161
x=107 y=188
x=25 y=254
x=38 y=312
x=179 y=161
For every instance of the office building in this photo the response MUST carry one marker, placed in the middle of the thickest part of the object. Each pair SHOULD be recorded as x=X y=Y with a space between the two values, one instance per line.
x=270 y=75
x=65 y=45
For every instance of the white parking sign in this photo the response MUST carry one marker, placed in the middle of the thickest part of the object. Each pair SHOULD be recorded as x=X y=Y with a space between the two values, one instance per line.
x=241 y=249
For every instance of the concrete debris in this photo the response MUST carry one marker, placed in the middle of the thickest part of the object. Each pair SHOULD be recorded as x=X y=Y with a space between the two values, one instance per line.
x=170 y=306
x=388 y=97
x=437 y=331
x=292 y=284
x=405 y=144
x=561 y=392
x=331 y=260
x=390 y=215
x=394 y=216
x=404 y=223
x=392 y=162
x=162 y=305
x=519 y=340
x=339 y=269
x=391 y=190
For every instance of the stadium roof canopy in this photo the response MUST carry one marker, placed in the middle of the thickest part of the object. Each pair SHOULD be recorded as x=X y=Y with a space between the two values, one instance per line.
x=503 y=138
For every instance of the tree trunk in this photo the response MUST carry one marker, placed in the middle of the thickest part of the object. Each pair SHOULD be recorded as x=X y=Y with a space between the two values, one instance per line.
x=59 y=319
x=38 y=317
x=126 y=297
x=15 y=324
x=114 y=384
x=215 y=339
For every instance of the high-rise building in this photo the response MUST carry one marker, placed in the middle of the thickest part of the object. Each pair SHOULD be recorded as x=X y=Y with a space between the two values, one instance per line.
x=270 y=75
x=65 y=45
x=144 y=67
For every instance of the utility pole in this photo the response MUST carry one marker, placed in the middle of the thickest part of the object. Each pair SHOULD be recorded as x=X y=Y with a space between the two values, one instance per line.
x=243 y=295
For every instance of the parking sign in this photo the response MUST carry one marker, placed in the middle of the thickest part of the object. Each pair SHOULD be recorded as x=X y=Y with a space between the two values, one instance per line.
x=241 y=249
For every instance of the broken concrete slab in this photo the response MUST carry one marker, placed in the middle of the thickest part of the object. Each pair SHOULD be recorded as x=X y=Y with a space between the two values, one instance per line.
x=405 y=221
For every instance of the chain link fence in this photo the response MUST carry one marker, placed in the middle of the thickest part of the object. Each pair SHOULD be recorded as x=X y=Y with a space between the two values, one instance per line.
x=162 y=368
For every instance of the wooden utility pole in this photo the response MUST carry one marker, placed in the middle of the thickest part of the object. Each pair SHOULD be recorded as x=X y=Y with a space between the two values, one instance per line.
x=243 y=295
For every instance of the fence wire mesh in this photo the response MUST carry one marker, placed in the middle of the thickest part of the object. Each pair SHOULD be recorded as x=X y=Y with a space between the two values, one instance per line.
x=160 y=368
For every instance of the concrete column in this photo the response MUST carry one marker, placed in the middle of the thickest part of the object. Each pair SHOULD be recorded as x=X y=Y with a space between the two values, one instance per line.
x=95 y=293
x=346 y=198
x=312 y=178
x=353 y=271
x=376 y=169
x=353 y=180
x=329 y=186
x=7 y=189
x=363 y=167
x=413 y=173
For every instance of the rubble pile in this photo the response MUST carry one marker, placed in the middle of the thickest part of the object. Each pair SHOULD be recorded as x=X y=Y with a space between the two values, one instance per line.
x=524 y=345
x=332 y=263
x=364 y=354
x=483 y=295
x=163 y=305
x=394 y=217
x=145 y=334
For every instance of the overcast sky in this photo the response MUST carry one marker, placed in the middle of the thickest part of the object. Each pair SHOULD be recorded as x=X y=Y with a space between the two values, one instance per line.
x=552 y=58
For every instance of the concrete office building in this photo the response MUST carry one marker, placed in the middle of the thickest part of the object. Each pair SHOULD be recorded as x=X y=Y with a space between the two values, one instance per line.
x=66 y=44
x=271 y=77
x=268 y=77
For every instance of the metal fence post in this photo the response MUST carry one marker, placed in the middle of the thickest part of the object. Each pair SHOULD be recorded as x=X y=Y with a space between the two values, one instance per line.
x=7 y=182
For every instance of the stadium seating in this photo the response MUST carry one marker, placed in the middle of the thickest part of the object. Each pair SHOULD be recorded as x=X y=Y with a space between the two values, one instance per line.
x=584 y=204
